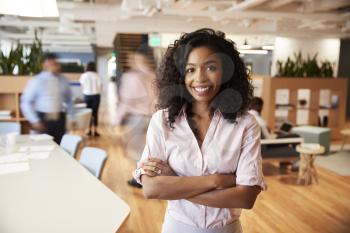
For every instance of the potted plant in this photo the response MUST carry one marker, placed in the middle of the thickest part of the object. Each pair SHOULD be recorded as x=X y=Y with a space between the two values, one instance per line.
x=300 y=67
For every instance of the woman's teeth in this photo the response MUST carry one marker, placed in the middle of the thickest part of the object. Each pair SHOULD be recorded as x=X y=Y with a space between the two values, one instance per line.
x=201 y=89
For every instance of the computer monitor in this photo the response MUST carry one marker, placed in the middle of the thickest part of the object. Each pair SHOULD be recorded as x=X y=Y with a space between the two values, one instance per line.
x=286 y=127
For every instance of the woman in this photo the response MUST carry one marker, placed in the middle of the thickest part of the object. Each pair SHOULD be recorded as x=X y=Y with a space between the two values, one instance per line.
x=91 y=86
x=202 y=149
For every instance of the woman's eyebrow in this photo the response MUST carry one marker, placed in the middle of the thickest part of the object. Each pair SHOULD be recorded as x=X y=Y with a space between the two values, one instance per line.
x=190 y=64
x=205 y=63
x=210 y=62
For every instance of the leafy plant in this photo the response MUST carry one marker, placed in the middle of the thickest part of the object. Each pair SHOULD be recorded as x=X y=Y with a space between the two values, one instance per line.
x=36 y=56
x=17 y=58
x=300 y=67
x=7 y=63
x=327 y=69
x=20 y=60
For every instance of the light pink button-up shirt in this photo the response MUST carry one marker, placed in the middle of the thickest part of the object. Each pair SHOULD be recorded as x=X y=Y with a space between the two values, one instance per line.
x=136 y=94
x=227 y=148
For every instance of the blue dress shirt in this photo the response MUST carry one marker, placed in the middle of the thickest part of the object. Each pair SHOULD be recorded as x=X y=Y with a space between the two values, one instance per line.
x=46 y=93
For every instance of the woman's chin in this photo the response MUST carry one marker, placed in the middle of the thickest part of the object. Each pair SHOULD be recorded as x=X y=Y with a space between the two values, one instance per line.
x=202 y=98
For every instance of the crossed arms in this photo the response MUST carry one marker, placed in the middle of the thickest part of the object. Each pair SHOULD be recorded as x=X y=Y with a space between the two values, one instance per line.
x=214 y=190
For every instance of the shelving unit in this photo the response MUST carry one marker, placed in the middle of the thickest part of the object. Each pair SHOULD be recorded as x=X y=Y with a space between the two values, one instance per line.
x=11 y=88
x=336 y=90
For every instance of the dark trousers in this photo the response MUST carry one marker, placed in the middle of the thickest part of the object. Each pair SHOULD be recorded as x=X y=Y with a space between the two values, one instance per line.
x=55 y=128
x=93 y=102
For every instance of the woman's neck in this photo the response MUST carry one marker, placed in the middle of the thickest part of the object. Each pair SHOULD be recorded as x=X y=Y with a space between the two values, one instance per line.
x=201 y=109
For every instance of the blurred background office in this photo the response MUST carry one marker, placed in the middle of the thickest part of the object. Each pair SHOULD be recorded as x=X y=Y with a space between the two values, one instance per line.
x=296 y=51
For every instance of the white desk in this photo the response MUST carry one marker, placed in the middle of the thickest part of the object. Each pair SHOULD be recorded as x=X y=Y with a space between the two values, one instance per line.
x=58 y=196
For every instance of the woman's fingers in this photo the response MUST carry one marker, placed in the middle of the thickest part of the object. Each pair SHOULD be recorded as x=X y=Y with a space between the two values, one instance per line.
x=152 y=169
x=158 y=166
x=151 y=164
x=153 y=159
x=150 y=173
x=158 y=161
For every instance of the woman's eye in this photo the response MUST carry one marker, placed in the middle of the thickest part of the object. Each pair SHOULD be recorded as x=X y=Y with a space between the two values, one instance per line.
x=211 y=68
x=189 y=70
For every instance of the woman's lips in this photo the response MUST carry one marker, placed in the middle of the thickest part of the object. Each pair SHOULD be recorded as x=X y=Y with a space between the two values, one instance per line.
x=202 y=90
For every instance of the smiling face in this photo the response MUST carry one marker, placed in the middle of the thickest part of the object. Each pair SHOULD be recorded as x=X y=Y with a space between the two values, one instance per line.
x=203 y=73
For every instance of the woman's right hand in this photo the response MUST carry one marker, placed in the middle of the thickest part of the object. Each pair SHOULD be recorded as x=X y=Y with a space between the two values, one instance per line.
x=224 y=181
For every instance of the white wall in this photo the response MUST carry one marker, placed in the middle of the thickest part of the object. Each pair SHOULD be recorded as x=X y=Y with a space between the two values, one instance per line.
x=327 y=49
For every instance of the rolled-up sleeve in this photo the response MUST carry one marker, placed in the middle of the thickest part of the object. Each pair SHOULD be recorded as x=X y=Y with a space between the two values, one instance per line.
x=27 y=101
x=67 y=97
x=155 y=144
x=249 y=169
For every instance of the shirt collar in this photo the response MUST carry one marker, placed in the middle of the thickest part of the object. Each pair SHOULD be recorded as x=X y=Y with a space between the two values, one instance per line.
x=182 y=112
x=253 y=112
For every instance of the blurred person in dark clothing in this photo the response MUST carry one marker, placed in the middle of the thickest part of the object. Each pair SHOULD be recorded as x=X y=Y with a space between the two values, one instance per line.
x=91 y=86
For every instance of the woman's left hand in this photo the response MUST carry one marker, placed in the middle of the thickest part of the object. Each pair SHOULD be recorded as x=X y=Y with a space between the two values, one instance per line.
x=157 y=167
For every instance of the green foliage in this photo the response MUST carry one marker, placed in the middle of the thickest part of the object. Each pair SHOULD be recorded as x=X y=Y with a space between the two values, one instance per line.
x=36 y=56
x=300 y=67
x=7 y=63
x=27 y=64
x=327 y=69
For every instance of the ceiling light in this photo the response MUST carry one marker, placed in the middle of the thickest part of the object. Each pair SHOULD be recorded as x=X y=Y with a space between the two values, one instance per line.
x=29 y=8
x=252 y=51
x=268 y=47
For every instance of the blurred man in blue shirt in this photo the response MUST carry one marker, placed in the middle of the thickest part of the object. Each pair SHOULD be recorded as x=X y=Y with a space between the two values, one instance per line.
x=47 y=98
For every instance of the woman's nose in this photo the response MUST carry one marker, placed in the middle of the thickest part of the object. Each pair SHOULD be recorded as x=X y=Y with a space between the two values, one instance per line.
x=200 y=76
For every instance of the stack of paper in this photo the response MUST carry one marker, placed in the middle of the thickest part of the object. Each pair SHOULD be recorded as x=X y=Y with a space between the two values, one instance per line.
x=40 y=137
x=37 y=152
x=5 y=115
x=12 y=163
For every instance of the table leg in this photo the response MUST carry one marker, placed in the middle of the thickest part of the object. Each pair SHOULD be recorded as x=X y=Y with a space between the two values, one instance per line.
x=343 y=143
x=308 y=179
x=314 y=171
x=303 y=174
x=307 y=171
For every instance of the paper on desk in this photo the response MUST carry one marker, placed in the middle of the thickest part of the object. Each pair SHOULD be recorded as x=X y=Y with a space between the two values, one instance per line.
x=40 y=137
x=13 y=158
x=39 y=155
x=31 y=149
x=7 y=168
x=37 y=152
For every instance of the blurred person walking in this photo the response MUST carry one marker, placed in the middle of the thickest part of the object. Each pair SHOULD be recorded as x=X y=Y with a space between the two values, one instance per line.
x=91 y=87
x=47 y=98
x=136 y=102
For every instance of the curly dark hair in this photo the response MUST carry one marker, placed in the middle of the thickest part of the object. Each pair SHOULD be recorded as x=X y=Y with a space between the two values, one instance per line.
x=236 y=91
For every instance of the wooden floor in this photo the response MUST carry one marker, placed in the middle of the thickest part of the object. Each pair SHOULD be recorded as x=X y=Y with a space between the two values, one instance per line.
x=284 y=208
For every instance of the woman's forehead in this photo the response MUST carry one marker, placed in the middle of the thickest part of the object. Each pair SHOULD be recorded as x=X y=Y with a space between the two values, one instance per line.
x=202 y=55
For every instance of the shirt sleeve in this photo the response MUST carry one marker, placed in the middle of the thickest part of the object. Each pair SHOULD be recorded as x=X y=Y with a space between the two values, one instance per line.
x=155 y=144
x=28 y=100
x=249 y=169
x=68 y=99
